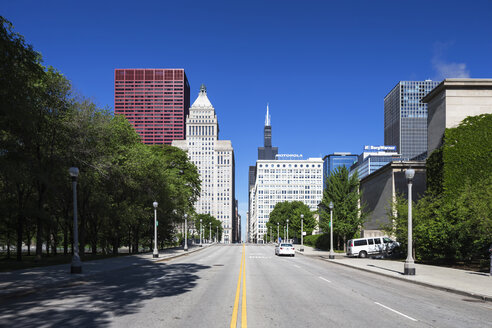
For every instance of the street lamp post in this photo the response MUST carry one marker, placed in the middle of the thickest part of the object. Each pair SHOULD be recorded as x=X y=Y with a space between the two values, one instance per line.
x=302 y=233
x=278 y=232
x=156 y=252
x=210 y=232
x=332 y=254
x=217 y=235
x=287 y=230
x=409 y=267
x=76 y=266
x=201 y=233
x=186 y=232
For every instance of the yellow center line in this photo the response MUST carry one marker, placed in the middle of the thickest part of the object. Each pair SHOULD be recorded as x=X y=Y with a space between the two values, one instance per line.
x=238 y=292
x=244 y=321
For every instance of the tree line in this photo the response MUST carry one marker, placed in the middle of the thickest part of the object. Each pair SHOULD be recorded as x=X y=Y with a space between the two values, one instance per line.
x=45 y=128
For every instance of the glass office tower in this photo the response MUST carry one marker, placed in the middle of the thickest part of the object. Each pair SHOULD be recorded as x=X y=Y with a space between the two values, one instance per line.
x=405 y=117
x=333 y=161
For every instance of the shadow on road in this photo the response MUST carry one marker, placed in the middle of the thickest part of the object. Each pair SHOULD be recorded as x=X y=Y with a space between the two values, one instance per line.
x=98 y=298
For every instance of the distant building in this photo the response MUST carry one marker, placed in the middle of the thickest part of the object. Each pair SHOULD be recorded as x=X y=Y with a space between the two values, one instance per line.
x=279 y=181
x=267 y=152
x=333 y=161
x=154 y=101
x=373 y=158
x=452 y=101
x=405 y=117
x=214 y=160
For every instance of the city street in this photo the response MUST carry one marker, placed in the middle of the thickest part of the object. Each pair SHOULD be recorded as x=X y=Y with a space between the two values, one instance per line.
x=206 y=289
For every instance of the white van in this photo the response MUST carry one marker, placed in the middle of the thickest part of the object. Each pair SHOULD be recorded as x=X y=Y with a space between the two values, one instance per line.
x=362 y=247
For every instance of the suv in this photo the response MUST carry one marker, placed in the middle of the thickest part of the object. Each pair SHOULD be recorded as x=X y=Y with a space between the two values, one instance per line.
x=361 y=247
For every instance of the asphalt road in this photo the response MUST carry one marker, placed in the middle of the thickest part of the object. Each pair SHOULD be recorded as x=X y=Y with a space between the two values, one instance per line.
x=206 y=289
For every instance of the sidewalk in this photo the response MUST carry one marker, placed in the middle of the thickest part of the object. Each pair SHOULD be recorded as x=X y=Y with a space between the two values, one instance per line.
x=21 y=282
x=463 y=282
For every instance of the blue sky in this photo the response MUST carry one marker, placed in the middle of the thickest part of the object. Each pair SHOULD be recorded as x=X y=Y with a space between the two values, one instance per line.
x=324 y=66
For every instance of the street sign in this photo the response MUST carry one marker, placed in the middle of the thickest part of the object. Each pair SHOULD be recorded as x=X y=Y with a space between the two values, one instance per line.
x=304 y=233
x=156 y=223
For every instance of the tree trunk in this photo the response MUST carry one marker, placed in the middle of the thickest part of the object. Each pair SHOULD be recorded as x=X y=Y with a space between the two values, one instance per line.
x=39 y=240
x=55 y=243
x=94 y=246
x=8 y=244
x=20 y=221
x=65 y=239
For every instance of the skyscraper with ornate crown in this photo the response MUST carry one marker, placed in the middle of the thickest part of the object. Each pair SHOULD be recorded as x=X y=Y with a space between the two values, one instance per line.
x=214 y=159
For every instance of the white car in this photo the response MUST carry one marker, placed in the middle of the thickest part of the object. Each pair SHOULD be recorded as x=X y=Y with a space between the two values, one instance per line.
x=285 y=249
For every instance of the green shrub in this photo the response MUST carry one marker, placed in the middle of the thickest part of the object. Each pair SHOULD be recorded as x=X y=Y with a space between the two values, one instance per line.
x=311 y=240
x=318 y=241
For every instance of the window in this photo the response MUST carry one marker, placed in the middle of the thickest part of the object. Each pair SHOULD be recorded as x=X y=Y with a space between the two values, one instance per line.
x=371 y=241
x=361 y=242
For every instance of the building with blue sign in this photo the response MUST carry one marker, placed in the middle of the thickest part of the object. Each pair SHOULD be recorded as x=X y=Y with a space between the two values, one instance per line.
x=373 y=158
x=405 y=117
x=333 y=161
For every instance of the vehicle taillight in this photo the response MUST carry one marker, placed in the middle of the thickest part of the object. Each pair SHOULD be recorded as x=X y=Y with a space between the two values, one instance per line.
x=351 y=244
x=293 y=249
x=281 y=247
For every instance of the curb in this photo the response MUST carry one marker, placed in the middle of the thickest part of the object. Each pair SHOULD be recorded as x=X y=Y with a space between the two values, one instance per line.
x=74 y=280
x=421 y=283
x=181 y=255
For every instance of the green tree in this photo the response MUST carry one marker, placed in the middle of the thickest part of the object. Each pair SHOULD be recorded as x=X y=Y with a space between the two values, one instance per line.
x=291 y=211
x=207 y=222
x=343 y=191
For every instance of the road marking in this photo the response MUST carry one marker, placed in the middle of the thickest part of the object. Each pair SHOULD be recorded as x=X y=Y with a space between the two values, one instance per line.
x=296 y=266
x=403 y=315
x=324 y=279
x=244 y=321
x=242 y=274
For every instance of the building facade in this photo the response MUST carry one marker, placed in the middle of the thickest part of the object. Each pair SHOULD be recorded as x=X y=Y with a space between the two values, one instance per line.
x=279 y=181
x=214 y=160
x=155 y=102
x=379 y=191
x=451 y=102
x=373 y=158
x=405 y=117
x=333 y=161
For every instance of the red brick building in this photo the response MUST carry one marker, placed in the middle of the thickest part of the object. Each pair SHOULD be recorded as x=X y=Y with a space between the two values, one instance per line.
x=155 y=101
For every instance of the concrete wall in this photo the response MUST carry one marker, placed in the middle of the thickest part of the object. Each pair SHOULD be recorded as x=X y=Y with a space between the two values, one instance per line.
x=380 y=188
x=451 y=102
x=436 y=122
x=463 y=103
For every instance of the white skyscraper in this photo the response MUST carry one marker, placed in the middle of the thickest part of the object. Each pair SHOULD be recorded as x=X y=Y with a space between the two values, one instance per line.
x=215 y=162
x=283 y=180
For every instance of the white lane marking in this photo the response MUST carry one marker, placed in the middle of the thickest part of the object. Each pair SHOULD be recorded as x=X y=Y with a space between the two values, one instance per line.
x=403 y=315
x=324 y=279
x=296 y=266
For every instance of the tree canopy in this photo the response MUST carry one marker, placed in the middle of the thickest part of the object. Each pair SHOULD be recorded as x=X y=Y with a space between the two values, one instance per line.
x=348 y=217
x=291 y=211
x=45 y=128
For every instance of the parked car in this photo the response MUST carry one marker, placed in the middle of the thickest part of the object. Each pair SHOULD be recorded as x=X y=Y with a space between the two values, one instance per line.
x=285 y=249
x=362 y=247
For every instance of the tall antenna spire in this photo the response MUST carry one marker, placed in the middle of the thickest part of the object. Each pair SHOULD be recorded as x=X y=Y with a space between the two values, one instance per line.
x=267 y=118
